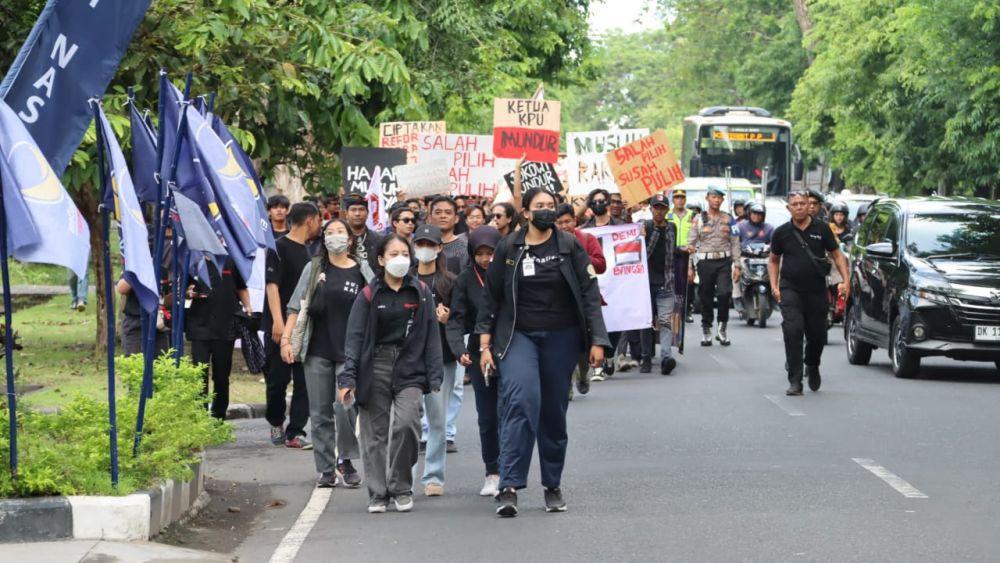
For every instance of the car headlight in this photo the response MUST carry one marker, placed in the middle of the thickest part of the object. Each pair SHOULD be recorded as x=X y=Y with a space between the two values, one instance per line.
x=927 y=297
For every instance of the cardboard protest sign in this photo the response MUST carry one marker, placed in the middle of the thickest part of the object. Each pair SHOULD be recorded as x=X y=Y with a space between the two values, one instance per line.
x=625 y=284
x=473 y=168
x=403 y=135
x=358 y=164
x=526 y=127
x=645 y=167
x=430 y=176
x=536 y=175
x=586 y=163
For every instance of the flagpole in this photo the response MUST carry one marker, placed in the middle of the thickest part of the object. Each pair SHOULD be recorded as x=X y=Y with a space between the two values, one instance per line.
x=8 y=339
x=109 y=298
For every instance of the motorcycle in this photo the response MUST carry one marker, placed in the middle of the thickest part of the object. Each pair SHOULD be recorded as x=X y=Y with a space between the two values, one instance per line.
x=838 y=304
x=755 y=285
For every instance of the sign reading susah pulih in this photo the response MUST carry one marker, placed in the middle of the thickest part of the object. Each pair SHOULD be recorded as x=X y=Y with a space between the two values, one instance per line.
x=645 y=167
x=528 y=128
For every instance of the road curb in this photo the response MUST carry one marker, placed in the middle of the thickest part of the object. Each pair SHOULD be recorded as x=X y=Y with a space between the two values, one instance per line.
x=246 y=410
x=135 y=517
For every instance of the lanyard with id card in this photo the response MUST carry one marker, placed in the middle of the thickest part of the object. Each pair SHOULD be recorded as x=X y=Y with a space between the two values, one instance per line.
x=528 y=266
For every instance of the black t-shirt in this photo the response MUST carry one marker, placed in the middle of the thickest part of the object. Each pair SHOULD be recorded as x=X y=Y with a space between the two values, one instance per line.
x=211 y=314
x=445 y=300
x=329 y=309
x=544 y=299
x=395 y=310
x=658 y=260
x=278 y=234
x=798 y=270
x=284 y=268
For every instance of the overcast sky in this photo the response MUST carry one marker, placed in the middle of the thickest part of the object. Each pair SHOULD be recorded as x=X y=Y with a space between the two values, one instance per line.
x=627 y=15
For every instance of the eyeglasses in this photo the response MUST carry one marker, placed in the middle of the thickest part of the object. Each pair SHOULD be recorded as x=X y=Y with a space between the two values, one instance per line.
x=406 y=220
x=499 y=216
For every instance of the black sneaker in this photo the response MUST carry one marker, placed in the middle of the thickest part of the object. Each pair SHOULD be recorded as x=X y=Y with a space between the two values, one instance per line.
x=554 y=501
x=450 y=447
x=327 y=480
x=609 y=368
x=348 y=475
x=508 y=503
x=583 y=384
x=646 y=366
x=667 y=366
x=812 y=372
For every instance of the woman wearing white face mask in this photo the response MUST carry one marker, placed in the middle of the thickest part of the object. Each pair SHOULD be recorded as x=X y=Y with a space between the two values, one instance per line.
x=393 y=358
x=327 y=288
x=432 y=269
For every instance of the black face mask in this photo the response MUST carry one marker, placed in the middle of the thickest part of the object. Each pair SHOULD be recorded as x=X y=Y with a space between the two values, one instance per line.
x=599 y=207
x=543 y=219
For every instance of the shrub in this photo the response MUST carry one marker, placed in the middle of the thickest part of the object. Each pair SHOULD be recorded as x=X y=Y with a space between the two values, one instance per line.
x=68 y=453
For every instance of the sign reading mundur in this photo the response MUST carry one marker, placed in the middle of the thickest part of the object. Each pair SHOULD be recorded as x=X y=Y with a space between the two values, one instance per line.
x=528 y=128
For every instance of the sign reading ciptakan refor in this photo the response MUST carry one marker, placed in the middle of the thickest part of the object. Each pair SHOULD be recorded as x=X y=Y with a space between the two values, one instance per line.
x=645 y=167
x=404 y=134
x=526 y=128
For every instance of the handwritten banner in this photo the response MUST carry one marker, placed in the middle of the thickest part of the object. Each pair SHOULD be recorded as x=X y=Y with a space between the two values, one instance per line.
x=428 y=177
x=473 y=169
x=358 y=164
x=645 y=167
x=526 y=127
x=586 y=163
x=625 y=284
x=536 y=175
x=404 y=134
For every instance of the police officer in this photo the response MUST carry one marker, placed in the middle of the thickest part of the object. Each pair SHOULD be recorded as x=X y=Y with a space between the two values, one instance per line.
x=713 y=244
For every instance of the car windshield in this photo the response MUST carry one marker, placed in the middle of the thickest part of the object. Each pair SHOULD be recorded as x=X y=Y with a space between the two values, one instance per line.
x=969 y=235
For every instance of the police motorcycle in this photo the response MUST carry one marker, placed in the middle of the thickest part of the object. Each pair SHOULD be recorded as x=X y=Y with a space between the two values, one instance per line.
x=755 y=284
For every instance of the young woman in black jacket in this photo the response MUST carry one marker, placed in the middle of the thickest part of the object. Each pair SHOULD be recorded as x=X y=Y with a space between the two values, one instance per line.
x=392 y=358
x=542 y=310
x=467 y=298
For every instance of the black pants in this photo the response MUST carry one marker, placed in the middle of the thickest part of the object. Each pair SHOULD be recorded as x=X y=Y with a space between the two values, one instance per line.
x=217 y=355
x=715 y=278
x=277 y=376
x=803 y=315
x=487 y=399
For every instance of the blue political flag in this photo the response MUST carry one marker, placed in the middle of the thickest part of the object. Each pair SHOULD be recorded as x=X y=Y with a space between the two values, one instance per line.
x=143 y=157
x=43 y=224
x=70 y=55
x=263 y=221
x=132 y=225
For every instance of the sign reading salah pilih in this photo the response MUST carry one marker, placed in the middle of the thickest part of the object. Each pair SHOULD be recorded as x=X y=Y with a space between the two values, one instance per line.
x=645 y=167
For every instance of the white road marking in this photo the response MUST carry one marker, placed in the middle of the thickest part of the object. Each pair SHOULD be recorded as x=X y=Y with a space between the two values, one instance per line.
x=789 y=410
x=893 y=480
x=724 y=362
x=296 y=536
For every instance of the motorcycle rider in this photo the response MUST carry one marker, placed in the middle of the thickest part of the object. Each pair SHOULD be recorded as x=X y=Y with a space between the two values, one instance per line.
x=840 y=223
x=739 y=210
x=755 y=229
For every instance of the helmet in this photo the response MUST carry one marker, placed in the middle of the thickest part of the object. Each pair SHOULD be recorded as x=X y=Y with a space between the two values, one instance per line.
x=742 y=202
x=863 y=209
x=757 y=208
x=694 y=205
x=841 y=207
x=818 y=195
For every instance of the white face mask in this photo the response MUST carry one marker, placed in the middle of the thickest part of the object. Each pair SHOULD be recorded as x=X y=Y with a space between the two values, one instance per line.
x=337 y=243
x=425 y=254
x=397 y=266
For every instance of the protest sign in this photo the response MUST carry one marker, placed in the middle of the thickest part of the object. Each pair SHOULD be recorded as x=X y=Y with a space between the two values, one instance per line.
x=645 y=167
x=404 y=134
x=473 y=168
x=358 y=164
x=586 y=163
x=536 y=175
x=625 y=284
x=527 y=128
x=430 y=176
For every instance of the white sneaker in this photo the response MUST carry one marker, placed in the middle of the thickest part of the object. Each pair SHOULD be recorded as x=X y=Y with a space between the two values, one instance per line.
x=491 y=486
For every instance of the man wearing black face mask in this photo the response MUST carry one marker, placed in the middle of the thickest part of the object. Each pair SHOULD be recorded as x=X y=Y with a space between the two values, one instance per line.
x=599 y=203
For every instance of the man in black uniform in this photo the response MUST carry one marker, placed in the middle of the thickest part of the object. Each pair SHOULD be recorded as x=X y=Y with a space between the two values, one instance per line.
x=798 y=270
x=284 y=267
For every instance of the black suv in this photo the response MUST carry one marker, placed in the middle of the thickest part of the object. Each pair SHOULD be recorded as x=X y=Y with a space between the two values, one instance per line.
x=925 y=281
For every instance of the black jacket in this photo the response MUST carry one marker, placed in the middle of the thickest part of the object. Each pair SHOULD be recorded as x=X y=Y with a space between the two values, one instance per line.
x=498 y=313
x=419 y=362
x=467 y=298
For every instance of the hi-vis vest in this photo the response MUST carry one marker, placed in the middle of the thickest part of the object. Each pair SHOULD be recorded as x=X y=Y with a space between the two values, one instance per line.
x=683 y=225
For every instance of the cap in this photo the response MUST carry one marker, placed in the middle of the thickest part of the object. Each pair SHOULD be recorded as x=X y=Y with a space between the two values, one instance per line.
x=680 y=192
x=659 y=199
x=715 y=190
x=428 y=232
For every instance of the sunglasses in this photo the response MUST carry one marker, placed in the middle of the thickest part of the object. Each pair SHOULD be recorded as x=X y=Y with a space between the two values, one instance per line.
x=406 y=220
x=499 y=216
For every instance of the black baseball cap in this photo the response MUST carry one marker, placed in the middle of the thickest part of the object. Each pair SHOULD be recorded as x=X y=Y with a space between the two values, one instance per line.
x=659 y=199
x=428 y=233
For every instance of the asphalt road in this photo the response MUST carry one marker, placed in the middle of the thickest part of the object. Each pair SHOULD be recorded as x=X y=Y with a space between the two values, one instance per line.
x=713 y=463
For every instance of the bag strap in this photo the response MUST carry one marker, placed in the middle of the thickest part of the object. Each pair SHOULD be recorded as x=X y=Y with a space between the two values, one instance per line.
x=367 y=291
x=812 y=257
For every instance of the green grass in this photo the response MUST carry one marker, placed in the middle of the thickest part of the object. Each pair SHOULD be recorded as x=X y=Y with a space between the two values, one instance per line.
x=38 y=274
x=59 y=354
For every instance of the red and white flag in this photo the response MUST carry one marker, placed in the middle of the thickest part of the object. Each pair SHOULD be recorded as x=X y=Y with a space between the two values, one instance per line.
x=376 y=214
x=629 y=252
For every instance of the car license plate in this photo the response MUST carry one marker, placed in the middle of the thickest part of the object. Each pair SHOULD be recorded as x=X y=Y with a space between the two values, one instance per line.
x=988 y=333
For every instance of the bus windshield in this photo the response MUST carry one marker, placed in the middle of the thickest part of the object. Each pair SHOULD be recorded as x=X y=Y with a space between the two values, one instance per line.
x=747 y=150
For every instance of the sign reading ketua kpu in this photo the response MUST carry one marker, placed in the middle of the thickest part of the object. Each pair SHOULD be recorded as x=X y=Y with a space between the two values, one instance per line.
x=528 y=128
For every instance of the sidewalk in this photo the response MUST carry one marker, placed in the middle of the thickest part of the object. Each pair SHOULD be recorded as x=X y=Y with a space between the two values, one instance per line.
x=100 y=551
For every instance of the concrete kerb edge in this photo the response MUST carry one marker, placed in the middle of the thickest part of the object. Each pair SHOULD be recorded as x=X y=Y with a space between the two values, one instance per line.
x=135 y=517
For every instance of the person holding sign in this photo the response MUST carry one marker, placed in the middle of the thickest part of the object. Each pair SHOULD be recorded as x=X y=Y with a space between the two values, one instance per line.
x=542 y=309
x=713 y=244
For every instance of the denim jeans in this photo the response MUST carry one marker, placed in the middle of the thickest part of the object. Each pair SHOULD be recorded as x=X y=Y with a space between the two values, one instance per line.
x=663 y=309
x=455 y=404
x=436 y=409
x=78 y=288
